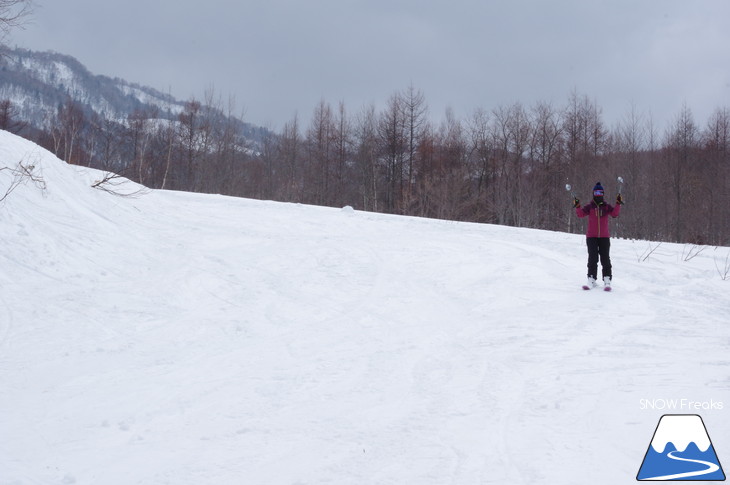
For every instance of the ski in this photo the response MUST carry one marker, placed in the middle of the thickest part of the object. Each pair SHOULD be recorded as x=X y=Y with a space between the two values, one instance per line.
x=588 y=288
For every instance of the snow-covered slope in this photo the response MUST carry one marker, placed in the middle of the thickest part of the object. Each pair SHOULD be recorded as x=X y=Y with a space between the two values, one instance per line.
x=189 y=339
x=38 y=82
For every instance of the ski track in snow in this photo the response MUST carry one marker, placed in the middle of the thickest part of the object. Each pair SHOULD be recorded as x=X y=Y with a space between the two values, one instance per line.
x=181 y=338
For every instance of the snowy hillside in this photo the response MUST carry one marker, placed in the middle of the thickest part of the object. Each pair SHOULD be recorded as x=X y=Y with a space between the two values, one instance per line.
x=38 y=82
x=190 y=339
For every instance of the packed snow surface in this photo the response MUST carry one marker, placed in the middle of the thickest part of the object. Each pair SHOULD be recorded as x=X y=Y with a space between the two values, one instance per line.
x=174 y=338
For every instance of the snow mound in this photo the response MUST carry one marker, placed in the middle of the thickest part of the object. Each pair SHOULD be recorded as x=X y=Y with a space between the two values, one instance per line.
x=23 y=162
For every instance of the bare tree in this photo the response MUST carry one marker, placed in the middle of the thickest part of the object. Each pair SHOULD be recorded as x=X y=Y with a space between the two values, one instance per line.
x=12 y=15
x=654 y=227
x=139 y=134
x=366 y=158
x=9 y=117
x=189 y=137
x=681 y=162
x=716 y=175
x=168 y=136
x=586 y=138
x=482 y=161
x=289 y=151
x=629 y=155
x=416 y=125
x=512 y=134
x=446 y=189
x=393 y=145
x=66 y=130
x=268 y=159
x=104 y=144
x=343 y=140
x=231 y=156
x=546 y=174
x=317 y=170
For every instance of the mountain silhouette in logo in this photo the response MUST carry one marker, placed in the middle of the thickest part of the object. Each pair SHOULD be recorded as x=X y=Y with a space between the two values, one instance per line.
x=681 y=450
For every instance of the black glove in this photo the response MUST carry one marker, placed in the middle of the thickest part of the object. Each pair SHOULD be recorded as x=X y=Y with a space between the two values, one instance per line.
x=619 y=199
x=576 y=202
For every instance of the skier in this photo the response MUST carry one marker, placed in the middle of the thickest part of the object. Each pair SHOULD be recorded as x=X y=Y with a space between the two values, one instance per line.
x=598 y=236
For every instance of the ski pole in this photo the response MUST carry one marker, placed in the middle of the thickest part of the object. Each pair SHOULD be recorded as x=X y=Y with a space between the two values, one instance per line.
x=569 y=188
x=620 y=184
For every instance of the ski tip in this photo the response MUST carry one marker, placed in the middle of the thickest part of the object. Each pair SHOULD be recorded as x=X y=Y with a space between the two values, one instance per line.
x=607 y=288
x=586 y=287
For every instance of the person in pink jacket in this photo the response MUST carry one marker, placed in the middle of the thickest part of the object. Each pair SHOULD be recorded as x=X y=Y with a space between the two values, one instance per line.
x=598 y=236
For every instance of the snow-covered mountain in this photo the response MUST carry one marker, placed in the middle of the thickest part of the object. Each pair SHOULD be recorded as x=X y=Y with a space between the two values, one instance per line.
x=182 y=338
x=37 y=83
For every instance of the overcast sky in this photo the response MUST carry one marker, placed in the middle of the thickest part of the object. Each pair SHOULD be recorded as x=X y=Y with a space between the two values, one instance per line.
x=281 y=57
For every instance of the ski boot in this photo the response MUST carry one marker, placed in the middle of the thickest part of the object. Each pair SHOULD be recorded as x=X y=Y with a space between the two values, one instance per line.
x=606 y=283
x=590 y=284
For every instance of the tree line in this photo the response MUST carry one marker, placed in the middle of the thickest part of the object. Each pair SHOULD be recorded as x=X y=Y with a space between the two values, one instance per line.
x=509 y=165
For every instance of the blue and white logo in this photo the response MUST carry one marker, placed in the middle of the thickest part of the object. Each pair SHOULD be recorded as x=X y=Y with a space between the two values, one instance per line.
x=681 y=450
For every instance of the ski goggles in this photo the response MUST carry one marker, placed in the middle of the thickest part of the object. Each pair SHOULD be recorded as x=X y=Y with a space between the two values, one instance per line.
x=598 y=193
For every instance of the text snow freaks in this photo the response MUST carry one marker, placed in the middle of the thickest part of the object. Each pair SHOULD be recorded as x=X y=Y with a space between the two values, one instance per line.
x=680 y=405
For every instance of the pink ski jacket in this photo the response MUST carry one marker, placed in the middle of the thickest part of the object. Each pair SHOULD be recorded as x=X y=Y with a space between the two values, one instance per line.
x=598 y=218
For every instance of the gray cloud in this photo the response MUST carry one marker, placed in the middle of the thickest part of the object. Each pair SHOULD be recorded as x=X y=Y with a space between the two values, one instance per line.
x=278 y=57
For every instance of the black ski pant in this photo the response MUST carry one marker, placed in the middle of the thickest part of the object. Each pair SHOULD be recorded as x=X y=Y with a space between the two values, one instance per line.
x=599 y=247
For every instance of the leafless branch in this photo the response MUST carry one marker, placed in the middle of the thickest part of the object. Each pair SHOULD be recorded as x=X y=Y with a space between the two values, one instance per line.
x=20 y=174
x=113 y=183
x=13 y=14
x=723 y=271
x=692 y=252
x=649 y=251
